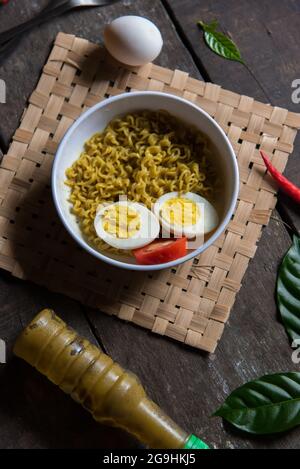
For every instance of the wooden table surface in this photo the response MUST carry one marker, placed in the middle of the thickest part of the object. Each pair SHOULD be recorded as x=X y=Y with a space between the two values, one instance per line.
x=188 y=384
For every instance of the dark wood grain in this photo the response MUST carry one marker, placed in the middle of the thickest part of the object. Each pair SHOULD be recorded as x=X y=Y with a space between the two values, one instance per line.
x=189 y=385
x=22 y=68
x=268 y=35
x=33 y=412
x=19 y=302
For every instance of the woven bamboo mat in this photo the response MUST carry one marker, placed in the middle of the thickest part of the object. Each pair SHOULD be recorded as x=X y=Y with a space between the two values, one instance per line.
x=190 y=304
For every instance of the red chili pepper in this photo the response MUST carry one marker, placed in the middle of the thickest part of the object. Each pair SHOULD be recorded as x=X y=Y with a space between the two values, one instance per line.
x=287 y=186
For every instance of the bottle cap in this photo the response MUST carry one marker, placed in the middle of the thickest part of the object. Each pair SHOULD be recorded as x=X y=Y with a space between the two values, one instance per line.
x=193 y=442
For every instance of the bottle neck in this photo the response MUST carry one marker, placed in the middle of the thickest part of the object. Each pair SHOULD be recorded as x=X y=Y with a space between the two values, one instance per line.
x=155 y=429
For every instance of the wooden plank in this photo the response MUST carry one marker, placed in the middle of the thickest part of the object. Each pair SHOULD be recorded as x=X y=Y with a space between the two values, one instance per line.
x=33 y=412
x=268 y=37
x=180 y=379
x=190 y=385
x=87 y=23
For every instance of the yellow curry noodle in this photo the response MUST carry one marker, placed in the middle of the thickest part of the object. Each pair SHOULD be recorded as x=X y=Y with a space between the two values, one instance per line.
x=143 y=156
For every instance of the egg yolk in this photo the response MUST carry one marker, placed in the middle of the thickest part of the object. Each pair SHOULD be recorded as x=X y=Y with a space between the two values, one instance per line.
x=121 y=221
x=183 y=212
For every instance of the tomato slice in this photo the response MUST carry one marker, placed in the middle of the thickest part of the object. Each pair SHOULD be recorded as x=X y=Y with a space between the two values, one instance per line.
x=161 y=251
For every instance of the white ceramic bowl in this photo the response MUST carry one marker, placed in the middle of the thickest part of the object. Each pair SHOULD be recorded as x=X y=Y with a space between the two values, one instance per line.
x=96 y=119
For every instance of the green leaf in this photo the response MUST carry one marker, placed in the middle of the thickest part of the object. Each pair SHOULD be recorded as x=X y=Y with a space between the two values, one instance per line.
x=219 y=42
x=209 y=26
x=270 y=404
x=288 y=290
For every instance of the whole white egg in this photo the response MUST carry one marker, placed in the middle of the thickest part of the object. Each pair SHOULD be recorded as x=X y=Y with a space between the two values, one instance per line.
x=133 y=40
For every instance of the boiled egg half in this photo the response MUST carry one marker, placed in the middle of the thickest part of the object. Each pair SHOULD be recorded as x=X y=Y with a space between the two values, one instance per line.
x=126 y=225
x=188 y=214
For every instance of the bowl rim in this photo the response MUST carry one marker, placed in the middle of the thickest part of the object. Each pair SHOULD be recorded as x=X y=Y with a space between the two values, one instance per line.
x=138 y=267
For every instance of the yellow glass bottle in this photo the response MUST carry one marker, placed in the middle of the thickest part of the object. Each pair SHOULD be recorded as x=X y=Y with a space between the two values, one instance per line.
x=113 y=396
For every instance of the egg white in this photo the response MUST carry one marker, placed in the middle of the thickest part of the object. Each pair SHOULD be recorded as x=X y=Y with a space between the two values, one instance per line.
x=149 y=227
x=206 y=223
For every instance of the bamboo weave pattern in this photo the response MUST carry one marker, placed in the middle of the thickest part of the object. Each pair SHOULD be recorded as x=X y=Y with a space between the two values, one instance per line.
x=190 y=304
